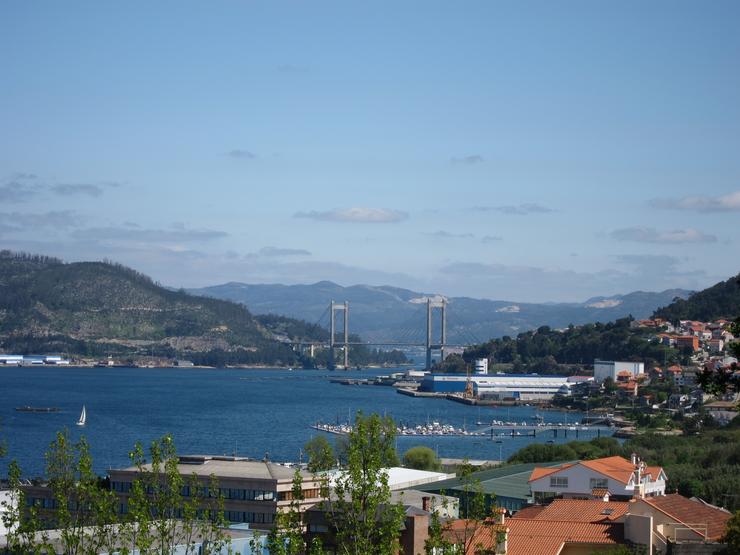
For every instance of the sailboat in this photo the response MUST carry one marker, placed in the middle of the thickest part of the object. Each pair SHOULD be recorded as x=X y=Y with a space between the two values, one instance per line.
x=83 y=417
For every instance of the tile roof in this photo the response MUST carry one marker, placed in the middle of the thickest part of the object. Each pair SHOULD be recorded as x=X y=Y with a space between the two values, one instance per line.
x=540 y=537
x=529 y=512
x=618 y=468
x=540 y=472
x=578 y=510
x=615 y=467
x=692 y=512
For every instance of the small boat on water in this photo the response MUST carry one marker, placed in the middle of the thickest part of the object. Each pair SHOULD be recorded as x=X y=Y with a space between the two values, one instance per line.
x=36 y=409
x=83 y=417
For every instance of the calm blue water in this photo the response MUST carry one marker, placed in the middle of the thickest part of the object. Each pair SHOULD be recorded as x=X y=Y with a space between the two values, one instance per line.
x=219 y=412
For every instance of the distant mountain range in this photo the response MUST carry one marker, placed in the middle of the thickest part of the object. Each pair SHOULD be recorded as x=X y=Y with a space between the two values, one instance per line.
x=386 y=313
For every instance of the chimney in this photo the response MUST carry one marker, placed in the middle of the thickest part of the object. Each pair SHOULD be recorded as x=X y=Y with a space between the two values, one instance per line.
x=500 y=515
x=426 y=504
x=634 y=459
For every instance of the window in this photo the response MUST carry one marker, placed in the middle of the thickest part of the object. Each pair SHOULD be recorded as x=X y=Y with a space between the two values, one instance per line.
x=599 y=483
x=558 y=481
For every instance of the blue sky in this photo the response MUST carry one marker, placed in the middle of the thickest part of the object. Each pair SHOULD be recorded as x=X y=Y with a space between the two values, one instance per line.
x=529 y=151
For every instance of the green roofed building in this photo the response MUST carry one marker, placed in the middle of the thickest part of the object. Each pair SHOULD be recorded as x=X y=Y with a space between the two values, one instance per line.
x=505 y=486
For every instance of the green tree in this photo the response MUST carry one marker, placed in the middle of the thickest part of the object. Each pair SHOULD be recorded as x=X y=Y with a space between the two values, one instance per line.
x=732 y=535
x=166 y=510
x=477 y=532
x=320 y=454
x=84 y=511
x=364 y=519
x=287 y=536
x=421 y=458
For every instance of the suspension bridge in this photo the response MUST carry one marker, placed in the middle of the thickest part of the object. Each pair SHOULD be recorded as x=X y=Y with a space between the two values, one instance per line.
x=433 y=341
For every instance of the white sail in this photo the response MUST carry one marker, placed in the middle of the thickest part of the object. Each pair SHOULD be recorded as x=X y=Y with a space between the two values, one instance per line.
x=83 y=417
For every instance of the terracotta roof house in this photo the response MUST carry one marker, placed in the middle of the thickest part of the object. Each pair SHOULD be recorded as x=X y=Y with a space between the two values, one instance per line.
x=577 y=510
x=526 y=536
x=677 y=520
x=622 y=478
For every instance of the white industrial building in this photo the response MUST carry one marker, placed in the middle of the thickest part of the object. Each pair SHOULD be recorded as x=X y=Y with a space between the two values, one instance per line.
x=481 y=366
x=521 y=387
x=604 y=369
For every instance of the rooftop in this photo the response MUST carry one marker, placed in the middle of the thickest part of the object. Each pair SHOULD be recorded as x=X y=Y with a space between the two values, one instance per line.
x=578 y=510
x=542 y=537
x=506 y=481
x=618 y=468
x=229 y=467
x=693 y=512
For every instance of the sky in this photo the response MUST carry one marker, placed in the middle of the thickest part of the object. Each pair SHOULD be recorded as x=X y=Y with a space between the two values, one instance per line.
x=524 y=150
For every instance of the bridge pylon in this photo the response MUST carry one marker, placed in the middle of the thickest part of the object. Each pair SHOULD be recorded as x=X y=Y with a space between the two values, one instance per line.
x=333 y=308
x=430 y=345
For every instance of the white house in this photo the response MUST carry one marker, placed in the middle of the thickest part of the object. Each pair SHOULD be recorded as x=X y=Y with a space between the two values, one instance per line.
x=613 y=476
x=610 y=369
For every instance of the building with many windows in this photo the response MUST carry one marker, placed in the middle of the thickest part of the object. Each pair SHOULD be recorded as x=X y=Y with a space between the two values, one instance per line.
x=252 y=491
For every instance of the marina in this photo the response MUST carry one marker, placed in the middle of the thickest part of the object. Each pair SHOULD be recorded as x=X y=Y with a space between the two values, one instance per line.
x=431 y=429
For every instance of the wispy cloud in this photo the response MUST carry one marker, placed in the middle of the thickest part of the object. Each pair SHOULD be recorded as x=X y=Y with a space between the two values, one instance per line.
x=491 y=239
x=516 y=210
x=241 y=154
x=279 y=252
x=29 y=221
x=175 y=234
x=441 y=234
x=724 y=203
x=468 y=160
x=355 y=215
x=652 y=235
x=16 y=191
x=73 y=189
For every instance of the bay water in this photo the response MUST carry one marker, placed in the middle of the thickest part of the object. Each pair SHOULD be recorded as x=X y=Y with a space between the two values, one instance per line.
x=248 y=412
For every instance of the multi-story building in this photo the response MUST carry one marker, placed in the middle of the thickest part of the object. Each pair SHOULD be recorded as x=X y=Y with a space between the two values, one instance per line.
x=604 y=369
x=252 y=491
x=615 y=476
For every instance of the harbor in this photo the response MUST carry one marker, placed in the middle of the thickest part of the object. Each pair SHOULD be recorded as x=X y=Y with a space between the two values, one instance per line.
x=430 y=429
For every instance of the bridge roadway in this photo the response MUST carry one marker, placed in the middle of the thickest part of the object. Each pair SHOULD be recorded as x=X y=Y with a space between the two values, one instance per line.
x=384 y=343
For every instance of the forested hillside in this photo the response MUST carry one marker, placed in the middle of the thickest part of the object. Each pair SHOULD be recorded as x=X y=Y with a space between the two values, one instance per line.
x=546 y=350
x=101 y=308
x=719 y=301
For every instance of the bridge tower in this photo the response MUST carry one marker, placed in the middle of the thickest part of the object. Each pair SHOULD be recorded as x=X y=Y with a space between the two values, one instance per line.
x=430 y=345
x=340 y=307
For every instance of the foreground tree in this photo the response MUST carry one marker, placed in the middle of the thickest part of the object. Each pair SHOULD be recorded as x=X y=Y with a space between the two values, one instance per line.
x=162 y=512
x=288 y=535
x=477 y=532
x=320 y=454
x=361 y=512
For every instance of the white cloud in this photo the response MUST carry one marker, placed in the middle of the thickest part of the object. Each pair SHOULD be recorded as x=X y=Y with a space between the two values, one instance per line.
x=725 y=203
x=651 y=235
x=516 y=210
x=355 y=215
x=468 y=160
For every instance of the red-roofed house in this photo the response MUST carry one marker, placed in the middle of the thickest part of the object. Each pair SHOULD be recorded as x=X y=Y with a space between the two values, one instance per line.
x=525 y=536
x=688 y=341
x=623 y=479
x=670 y=520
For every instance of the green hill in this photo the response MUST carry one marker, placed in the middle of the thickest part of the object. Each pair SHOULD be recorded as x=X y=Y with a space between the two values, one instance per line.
x=102 y=308
x=719 y=301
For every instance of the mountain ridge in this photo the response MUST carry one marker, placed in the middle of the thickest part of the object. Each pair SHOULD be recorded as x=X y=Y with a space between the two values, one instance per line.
x=386 y=310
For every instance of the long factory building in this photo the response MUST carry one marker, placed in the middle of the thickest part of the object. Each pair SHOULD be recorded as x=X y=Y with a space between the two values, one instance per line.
x=522 y=387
